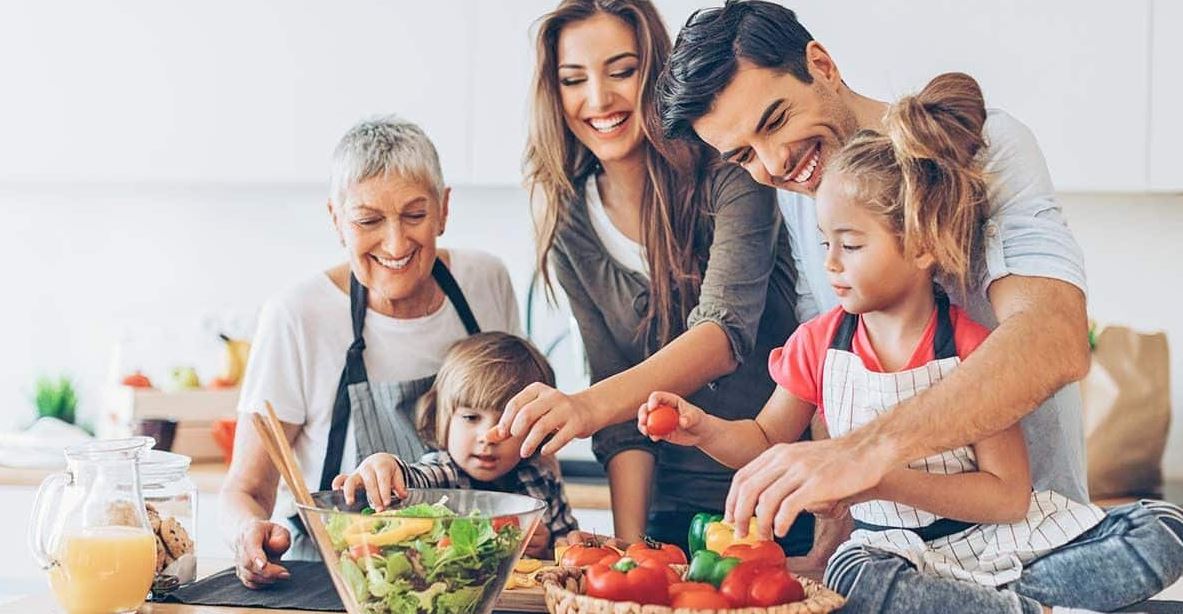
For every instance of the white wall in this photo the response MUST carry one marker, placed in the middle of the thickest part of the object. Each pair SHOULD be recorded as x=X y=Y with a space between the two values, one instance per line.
x=1135 y=275
x=258 y=90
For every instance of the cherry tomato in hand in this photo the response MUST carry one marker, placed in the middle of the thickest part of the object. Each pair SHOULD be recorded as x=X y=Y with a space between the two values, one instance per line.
x=662 y=421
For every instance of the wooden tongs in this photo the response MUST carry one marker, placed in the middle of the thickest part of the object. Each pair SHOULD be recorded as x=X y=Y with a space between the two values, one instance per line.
x=280 y=451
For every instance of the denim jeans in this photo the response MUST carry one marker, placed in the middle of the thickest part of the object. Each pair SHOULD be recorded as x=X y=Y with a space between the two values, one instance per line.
x=1134 y=553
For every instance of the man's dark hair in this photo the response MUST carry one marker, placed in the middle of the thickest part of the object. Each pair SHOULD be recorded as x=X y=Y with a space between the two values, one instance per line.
x=707 y=53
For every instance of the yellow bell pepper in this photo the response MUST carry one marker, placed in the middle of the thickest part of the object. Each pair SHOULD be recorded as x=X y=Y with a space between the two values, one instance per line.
x=525 y=565
x=719 y=535
x=399 y=530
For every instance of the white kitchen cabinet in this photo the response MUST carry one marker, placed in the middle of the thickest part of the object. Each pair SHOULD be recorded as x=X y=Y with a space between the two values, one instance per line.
x=222 y=91
x=1166 y=96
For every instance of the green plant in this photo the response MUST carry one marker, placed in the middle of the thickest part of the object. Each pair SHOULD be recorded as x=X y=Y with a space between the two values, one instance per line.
x=55 y=398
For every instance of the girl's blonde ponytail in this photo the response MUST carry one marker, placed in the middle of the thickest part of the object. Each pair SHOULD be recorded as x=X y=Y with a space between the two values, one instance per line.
x=924 y=174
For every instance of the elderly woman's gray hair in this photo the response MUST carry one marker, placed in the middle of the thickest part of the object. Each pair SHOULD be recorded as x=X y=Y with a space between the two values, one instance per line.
x=384 y=146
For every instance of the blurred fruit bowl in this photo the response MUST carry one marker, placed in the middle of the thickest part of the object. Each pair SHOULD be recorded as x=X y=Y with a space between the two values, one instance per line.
x=438 y=550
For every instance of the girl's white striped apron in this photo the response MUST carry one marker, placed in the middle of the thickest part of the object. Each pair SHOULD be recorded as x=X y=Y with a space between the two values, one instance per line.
x=988 y=554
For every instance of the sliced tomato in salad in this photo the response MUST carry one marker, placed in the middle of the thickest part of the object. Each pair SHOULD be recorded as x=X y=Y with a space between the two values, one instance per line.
x=361 y=551
x=505 y=521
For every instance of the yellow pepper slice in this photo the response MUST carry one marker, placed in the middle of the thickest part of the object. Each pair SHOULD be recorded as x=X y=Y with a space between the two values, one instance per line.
x=720 y=535
x=525 y=565
x=400 y=530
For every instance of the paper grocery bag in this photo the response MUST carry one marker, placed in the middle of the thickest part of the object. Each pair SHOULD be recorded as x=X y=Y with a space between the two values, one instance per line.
x=1127 y=413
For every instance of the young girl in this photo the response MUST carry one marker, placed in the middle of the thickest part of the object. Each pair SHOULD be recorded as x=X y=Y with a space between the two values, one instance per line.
x=478 y=376
x=898 y=212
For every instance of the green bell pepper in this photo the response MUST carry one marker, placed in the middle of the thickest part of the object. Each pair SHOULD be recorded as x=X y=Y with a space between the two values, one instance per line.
x=708 y=566
x=698 y=526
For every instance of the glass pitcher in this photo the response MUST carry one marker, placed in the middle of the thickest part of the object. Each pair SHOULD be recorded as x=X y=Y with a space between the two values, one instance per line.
x=90 y=531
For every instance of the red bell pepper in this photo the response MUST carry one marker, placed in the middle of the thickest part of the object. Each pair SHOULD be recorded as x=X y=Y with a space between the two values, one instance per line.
x=755 y=584
x=627 y=581
x=768 y=552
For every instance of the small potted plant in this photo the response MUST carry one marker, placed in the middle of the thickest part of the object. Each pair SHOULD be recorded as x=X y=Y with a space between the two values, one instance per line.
x=56 y=398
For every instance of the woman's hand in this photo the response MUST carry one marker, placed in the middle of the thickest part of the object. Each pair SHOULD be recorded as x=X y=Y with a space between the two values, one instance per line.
x=540 y=411
x=690 y=427
x=579 y=538
x=381 y=475
x=256 y=552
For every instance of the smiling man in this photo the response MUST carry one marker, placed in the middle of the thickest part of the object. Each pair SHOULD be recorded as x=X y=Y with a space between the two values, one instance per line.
x=750 y=81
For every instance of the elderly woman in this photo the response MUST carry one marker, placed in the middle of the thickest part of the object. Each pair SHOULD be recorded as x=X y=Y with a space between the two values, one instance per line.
x=344 y=356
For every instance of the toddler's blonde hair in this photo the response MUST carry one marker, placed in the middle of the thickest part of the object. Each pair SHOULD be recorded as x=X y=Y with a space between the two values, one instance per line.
x=483 y=371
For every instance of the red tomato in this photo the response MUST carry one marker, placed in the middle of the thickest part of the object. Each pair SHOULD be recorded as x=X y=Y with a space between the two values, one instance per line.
x=504 y=521
x=360 y=551
x=766 y=551
x=587 y=554
x=685 y=587
x=626 y=581
x=662 y=421
x=137 y=380
x=444 y=542
x=775 y=587
x=648 y=549
x=700 y=600
x=671 y=576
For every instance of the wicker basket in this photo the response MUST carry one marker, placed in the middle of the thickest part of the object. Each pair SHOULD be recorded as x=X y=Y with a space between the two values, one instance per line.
x=564 y=595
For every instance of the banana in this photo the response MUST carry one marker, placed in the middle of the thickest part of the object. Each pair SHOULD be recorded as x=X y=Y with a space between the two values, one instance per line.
x=234 y=360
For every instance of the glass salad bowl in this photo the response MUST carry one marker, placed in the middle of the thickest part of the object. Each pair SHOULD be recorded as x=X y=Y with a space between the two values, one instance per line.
x=436 y=551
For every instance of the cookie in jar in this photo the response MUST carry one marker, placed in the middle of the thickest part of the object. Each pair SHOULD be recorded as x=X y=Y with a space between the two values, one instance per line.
x=170 y=499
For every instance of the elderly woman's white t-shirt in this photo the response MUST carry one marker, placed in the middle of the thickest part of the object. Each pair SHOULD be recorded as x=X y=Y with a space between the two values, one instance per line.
x=299 y=349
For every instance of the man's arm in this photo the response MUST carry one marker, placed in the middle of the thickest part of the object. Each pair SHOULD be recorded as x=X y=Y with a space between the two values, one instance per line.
x=1040 y=345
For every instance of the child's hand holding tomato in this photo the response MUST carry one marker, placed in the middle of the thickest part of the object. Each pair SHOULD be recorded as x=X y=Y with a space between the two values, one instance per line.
x=669 y=417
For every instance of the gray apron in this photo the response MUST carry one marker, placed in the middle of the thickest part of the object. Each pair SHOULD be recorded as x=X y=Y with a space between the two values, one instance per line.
x=382 y=413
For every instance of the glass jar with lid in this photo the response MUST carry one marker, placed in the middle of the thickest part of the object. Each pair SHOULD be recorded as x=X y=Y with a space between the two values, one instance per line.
x=170 y=498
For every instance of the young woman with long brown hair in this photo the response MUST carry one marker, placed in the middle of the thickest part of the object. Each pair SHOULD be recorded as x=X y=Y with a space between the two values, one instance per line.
x=677 y=269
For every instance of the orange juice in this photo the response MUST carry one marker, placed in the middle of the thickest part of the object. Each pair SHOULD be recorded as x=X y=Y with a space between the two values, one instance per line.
x=102 y=570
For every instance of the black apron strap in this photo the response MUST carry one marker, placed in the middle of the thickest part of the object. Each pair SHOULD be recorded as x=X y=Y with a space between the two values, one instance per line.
x=448 y=284
x=943 y=345
x=943 y=527
x=353 y=373
x=844 y=337
x=355 y=366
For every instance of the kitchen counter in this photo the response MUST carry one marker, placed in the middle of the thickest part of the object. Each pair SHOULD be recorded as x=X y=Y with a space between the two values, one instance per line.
x=45 y=602
x=582 y=493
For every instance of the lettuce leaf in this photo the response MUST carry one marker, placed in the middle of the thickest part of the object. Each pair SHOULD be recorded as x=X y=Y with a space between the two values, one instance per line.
x=336 y=527
x=459 y=601
x=354 y=578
